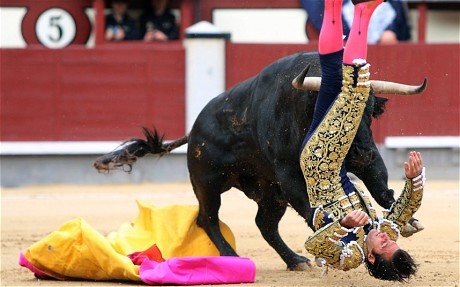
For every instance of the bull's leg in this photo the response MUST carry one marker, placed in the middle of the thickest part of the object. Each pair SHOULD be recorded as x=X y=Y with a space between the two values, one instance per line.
x=292 y=183
x=268 y=217
x=372 y=172
x=208 y=218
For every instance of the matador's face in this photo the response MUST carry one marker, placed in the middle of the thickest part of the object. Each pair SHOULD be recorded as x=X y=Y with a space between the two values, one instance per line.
x=380 y=243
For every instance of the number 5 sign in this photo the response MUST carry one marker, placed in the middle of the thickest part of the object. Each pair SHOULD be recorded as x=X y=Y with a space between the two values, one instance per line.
x=56 y=27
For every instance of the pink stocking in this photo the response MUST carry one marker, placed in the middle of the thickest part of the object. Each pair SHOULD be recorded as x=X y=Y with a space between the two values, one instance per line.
x=356 y=47
x=330 y=37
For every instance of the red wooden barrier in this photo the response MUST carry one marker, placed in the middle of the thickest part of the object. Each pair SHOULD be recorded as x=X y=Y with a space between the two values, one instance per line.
x=92 y=94
x=108 y=92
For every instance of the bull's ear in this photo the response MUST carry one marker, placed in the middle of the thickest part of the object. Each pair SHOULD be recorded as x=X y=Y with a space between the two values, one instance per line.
x=379 y=106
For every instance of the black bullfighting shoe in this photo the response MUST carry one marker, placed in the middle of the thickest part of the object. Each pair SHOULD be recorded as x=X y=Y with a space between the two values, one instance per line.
x=362 y=1
x=413 y=226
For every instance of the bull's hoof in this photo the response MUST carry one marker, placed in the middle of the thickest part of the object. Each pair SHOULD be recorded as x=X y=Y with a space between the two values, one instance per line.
x=301 y=266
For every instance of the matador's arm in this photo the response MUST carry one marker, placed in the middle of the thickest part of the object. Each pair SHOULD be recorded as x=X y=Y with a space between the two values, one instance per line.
x=408 y=202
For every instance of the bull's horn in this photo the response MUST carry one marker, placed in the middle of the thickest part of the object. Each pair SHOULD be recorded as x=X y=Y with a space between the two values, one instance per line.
x=383 y=87
x=299 y=81
x=379 y=87
x=309 y=83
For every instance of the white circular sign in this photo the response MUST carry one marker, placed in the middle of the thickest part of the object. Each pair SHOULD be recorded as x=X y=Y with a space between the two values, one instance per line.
x=55 y=28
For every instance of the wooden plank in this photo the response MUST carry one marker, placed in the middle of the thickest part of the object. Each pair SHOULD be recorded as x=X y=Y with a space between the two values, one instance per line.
x=422 y=142
x=65 y=148
x=92 y=94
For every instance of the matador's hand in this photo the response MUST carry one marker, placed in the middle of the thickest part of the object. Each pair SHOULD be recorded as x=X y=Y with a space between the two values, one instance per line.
x=415 y=166
x=354 y=219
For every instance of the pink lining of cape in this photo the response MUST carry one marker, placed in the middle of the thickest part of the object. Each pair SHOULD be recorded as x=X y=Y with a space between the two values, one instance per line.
x=192 y=270
x=37 y=272
x=198 y=270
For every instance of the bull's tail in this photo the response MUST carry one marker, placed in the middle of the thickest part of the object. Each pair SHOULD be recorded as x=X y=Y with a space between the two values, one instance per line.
x=126 y=155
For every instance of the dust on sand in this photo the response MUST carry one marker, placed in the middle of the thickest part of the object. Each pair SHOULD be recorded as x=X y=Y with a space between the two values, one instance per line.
x=30 y=213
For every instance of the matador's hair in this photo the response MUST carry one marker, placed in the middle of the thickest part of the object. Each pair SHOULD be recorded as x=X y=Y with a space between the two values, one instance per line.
x=399 y=268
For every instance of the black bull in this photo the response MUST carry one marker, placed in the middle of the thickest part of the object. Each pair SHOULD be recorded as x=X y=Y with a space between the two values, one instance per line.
x=249 y=137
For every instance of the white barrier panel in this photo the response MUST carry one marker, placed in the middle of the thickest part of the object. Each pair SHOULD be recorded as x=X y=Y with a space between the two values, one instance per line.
x=204 y=68
x=422 y=142
x=65 y=148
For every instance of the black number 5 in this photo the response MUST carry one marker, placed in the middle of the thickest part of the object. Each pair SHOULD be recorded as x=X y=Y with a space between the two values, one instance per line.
x=54 y=24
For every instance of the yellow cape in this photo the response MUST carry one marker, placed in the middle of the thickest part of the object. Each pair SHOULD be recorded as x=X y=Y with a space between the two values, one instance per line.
x=77 y=250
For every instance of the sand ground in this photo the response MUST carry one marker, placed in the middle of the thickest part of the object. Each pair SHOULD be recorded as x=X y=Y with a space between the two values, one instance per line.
x=30 y=213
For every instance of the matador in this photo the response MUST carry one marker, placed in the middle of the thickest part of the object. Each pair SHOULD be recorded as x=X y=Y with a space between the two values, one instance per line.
x=347 y=229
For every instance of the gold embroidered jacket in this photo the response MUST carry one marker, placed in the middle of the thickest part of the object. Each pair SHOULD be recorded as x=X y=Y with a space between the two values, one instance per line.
x=346 y=249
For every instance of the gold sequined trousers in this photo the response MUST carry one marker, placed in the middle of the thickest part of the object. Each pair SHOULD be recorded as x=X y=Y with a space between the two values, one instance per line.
x=324 y=152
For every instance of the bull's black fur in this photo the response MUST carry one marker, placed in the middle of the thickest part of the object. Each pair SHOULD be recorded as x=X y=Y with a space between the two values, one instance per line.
x=379 y=107
x=249 y=137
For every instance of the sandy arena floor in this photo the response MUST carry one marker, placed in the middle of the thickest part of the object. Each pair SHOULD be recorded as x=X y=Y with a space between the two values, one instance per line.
x=30 y=213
